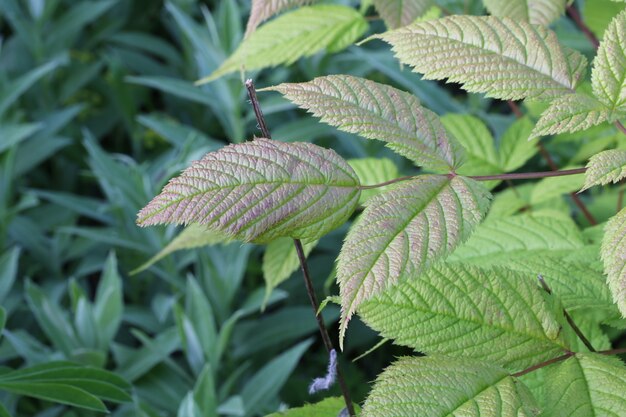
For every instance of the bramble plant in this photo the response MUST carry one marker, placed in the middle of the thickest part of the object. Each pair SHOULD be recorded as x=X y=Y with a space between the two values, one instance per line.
x=507 y=304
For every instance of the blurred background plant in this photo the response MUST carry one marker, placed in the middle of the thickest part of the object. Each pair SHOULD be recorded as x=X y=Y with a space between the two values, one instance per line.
x=98 y=109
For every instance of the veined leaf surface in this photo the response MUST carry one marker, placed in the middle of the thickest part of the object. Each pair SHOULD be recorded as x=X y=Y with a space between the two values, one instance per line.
x=377 y=111
x=398 y=13
x=496 y=315
x=605 y=167
x=539 y=12
x=262 y=10
x=404 y=230
x=501 y=57
x=608 y=77
x=260 y=190
x=614 y=256
x=441 y=386
x=571 y=113
x=587 y=384
x=296 y=34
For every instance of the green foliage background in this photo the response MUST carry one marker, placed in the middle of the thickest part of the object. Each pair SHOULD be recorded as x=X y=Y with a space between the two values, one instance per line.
x=97 y=111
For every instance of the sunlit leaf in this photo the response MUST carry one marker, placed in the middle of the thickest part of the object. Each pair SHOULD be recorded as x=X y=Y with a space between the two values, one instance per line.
x=398 y=13
x=614 y=256
x=608 y=77
x=605 y=167
x=540 y=12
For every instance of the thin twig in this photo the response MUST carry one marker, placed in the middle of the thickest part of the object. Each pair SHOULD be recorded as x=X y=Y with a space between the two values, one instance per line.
x=620 y=200
x=620 y=126
x=308 y=283
x=544 y=364
x=573 y=13
x=569 y=319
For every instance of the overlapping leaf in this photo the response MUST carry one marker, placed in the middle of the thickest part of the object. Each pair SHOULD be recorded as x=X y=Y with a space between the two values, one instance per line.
x=608 y=77
x=377 y=111
x=330 y=407
x=372 y=171
x=539 y=12
x=259 y=191
x=404 y=230
x=398 y=13
x=586 y=385
x=496 y=315
x=262 y=10
x=501 y=57
x=300 y=33
x=571 y=113
x=614 y=256
x=441 y=386
x=605 y=167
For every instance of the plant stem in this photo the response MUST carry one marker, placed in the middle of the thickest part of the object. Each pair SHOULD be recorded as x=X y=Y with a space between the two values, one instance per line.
x=569 y=319
x=573 y=13
x=620 y=126
x=308 y=283
x=562 y=358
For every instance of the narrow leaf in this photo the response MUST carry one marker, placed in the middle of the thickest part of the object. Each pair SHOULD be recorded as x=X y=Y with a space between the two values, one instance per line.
x=501 y=57
x=540 y=12
x=605 y=167
x=496 y=315
x=586 y=385
x=439 y=386
x=608 y=77
x=571 y=113
x=293 y=35
x=398 y=13
x=403 y=231
x=60 y=393
x=264 y=9
x=377 y=111
x=259 y=191
x=614 y=256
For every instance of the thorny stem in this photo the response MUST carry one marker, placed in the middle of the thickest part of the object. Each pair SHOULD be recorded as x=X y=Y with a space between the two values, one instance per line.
x=567 y=355
x=308 y=283
x=505 y=177
x=569 y=319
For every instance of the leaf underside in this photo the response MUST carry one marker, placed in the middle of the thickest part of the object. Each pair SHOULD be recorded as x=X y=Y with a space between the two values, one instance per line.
x=403 y=231
x=262 y=10
x=501 y=57
x=540 y=12
x=496 y=315
x=300 y=33
x=605 y=167
x=260 y=190
x=571 y=113
x=398 y=13
x=614 y=256
x=378 y=111
x=440 y=386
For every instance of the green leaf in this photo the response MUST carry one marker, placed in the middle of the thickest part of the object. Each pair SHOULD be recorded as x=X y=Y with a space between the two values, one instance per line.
x=597 y=14
x=515 y=147
x=293 y=35
x=613 y=253
x=496 y=315
x=377 y=111
x=587 y=384
x=608 y=77
x=605 y=167
x=440 y=386
x=3 y=319
x=262 y=10
x=539 y=12
x=548 y=188
x=372 y=171
x=280 y=260
x=4 y=412
x=259 y=191
x=60 y=393
x=401 y=232
x=329 y=407
x=13 y=134
x=571 y=113
x=8 y=271
x=108 y=304
x=523 y=61
x=192 y=236
x=398 y=13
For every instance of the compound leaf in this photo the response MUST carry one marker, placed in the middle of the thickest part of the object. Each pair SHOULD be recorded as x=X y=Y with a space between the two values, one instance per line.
x=260 y=190
x=539 y=12
x=587 y=384
x=262 y=10
x=608 y=77
x=571 y=113
x=496 y=315
x=377 y=111
x=605 y=167
x=296 y=34
x=398 y=13
x=614 y=256
x=501 y=57
x=440 y=386
x=404 y=230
